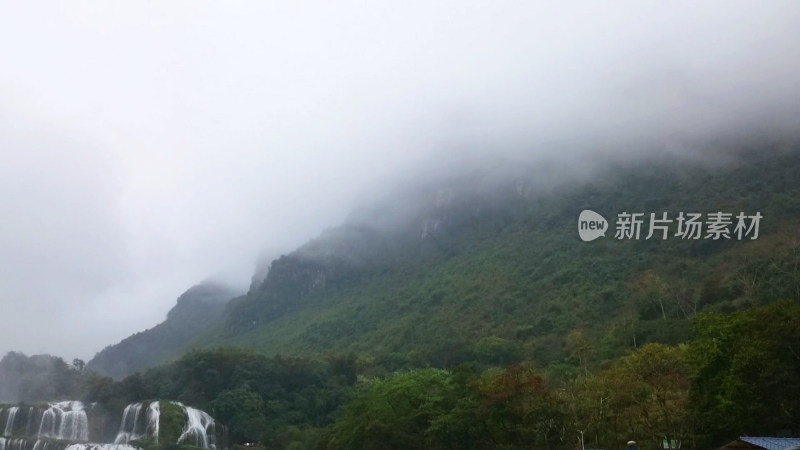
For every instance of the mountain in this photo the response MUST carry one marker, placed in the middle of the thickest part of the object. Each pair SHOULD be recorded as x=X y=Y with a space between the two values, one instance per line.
x=196 y=309
x=440 y=315
x=499 y=263
x=488 y=267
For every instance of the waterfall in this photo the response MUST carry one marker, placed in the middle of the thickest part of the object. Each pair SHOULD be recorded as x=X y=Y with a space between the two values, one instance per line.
x=16 y=444
x=65 y=421
x=140 y=422
x=199 y=426
x=134 y=427
x=12 y=414
x=46 y=444
x=153 y=416
x=65 y=426
x=127 y=429
x=31 y=422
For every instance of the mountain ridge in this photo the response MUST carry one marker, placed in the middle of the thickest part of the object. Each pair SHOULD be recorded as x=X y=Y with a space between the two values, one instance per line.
x=496 y=268
x=194 y=310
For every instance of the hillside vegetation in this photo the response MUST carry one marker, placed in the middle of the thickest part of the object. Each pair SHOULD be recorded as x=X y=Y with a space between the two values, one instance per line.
x=497 y=273
x=471 y=316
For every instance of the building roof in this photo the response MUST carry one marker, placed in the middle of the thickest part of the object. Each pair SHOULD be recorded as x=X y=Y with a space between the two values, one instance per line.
x=766 y=443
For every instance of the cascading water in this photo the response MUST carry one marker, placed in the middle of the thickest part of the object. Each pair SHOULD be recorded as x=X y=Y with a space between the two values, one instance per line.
x=66 y=421
x=135 y=427
x=31 y=421
x=153 y=417
x=65 y=426
x=101 y=447
x=45 y=444
x=25 y=444
x=127 y=429
x=12 y=444
x=139 y=422
x=198 y=429
x=12 y=415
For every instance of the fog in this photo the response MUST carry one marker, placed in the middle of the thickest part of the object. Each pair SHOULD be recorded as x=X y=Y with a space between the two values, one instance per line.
x=146 y=146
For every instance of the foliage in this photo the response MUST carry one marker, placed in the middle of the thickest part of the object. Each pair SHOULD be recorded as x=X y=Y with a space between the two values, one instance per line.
x=480 y=321
x=503 y=278
x=746 y=367
x=396 y=412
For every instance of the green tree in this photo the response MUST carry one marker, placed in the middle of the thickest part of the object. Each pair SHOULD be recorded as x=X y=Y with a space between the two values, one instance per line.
x=642 y=396
x=78 y=364
x=518 y=409
x=243 y=411
x=396 y=413
x=746 y=367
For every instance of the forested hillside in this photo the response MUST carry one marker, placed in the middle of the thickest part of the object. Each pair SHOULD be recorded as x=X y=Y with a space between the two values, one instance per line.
x=735 y=376
x=470 y=315
x=493 y=270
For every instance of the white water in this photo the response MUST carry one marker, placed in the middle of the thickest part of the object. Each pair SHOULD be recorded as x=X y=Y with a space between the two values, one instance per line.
x=139 y=422
x=65 y=421
x=100 y=447
x=153 y=416
x=42 y=444
x=29 y=428
x=13 y=444
x=199 y=427
x=127 y=429
x=68 y=422
x=12 y=414
x=134 y=427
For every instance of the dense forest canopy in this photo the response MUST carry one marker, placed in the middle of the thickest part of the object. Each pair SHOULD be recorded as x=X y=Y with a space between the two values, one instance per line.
x=735 y=376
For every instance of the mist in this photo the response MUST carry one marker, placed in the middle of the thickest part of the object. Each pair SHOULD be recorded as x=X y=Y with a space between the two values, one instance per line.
x=147 y=146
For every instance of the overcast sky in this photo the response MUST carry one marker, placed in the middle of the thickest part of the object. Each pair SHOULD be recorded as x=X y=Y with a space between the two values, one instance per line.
x=147 y=145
